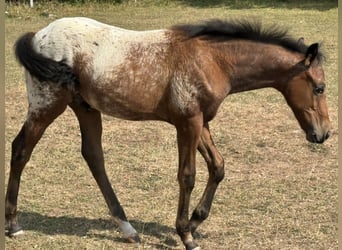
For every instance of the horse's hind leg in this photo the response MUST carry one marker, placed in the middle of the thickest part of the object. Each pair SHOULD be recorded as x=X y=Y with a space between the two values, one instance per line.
x=91 y=131
x=216 y=173
x=38 y=119
x=22 y=147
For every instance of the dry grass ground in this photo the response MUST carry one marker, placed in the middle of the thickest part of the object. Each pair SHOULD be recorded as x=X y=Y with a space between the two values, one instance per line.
x=280 y=192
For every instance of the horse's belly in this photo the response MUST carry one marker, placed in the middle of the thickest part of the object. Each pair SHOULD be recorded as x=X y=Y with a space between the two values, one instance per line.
x=125 y=103
x=124 y=110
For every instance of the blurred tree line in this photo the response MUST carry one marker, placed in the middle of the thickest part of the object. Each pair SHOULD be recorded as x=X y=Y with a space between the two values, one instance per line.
x=190 y=2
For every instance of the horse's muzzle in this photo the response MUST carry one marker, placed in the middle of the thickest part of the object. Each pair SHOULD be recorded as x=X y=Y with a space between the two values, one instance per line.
x=315 y=138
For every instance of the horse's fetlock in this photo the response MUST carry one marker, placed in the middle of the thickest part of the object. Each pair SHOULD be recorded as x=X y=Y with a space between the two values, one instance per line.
x=182 y=227
x=9 y=216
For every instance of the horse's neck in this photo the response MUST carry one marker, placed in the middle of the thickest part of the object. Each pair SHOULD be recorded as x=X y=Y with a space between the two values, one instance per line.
x=256 y=66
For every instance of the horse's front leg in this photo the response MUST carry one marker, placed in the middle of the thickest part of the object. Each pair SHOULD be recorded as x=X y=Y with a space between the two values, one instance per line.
x=91 y=132
x=215 y=164
x=188 y=136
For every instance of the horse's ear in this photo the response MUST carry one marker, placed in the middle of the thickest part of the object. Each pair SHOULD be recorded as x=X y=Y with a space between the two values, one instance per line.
x=311 y=54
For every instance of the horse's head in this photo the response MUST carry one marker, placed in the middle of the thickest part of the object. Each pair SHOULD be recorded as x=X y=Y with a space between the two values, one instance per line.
x=305 y=93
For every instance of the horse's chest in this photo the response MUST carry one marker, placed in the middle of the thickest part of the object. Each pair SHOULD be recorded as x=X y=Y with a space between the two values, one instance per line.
x=184 y=95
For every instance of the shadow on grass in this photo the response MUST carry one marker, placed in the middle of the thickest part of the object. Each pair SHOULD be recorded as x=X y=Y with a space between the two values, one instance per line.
x=81 y=226
x=286 y=4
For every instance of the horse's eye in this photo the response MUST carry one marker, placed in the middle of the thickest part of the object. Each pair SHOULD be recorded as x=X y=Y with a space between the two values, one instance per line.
x=319 y=90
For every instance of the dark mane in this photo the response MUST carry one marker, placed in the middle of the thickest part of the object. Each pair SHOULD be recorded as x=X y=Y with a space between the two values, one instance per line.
x=219 y=30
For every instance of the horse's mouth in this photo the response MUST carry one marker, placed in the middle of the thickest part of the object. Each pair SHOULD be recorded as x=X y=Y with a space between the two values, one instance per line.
x=315 y=138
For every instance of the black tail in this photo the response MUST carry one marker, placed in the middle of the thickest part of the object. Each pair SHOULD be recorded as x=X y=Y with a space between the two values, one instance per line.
x=43 y=68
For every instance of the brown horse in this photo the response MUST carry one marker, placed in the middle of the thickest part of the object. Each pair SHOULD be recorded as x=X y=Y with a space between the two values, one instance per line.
x=179 y=75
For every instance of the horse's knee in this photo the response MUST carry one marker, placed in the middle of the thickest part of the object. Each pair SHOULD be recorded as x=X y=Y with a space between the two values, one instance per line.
x=187 y=181
x=200 y=214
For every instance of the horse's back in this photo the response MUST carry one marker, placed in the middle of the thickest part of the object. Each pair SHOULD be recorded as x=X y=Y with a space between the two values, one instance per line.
x=64 y=38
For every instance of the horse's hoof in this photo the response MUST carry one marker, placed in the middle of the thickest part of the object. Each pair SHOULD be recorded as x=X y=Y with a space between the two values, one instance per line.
x=133 y=239
x=14 y=231
x=192 y=246
x=196 y=248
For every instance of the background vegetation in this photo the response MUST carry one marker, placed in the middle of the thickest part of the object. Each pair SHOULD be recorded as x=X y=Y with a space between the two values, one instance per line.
x=280 y=192
x=199 y=3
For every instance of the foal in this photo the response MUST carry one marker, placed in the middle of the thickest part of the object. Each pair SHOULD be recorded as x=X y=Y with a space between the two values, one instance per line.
x=179 y=75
